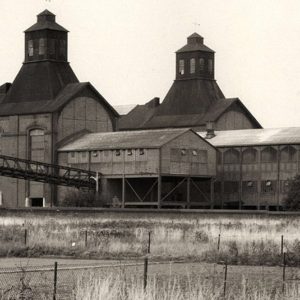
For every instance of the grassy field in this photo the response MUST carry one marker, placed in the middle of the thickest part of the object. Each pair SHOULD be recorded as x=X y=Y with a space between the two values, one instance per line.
x=243 y=239
x=165 y=281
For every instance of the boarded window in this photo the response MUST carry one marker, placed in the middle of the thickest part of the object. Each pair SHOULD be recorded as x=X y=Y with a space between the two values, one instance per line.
x=30 y=48
x=37 y=145
x=210 y=66
x=231 y=187
x=269 y=154
x=231 y=156
x=192 y=65
x=181 y=67
x=249 y=187
x=52 y=46
x=250 y=156
x=63 y=49
x=42 y=46
x=288 y=154
x=284 y=186
x=202 y=156
x=201 y=64
x=268 y=186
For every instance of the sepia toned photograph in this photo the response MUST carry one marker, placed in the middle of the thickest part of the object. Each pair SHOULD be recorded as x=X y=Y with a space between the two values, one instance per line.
x=149 y=150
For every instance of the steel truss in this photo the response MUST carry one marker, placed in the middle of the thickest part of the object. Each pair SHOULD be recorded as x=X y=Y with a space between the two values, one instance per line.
x=46 y=173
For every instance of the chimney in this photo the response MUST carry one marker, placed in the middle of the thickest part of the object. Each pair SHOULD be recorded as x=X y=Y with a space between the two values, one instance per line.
x=210 y=130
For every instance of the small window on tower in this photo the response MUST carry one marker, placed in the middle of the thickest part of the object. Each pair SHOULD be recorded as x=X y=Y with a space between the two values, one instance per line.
x=42 y=46
x=62 y=48
x=192 y=65
x=181 y=66
x=52 y=47
x=210 y=66
x=30 y=48
x=201 y=64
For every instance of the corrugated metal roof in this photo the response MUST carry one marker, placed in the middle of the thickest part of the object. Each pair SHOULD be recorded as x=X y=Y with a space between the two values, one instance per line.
x=124 y=139
x=257 y=137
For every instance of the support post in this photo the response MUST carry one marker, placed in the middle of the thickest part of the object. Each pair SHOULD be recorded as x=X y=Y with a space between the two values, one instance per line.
x=212 y=193
x=188 y=191
x=55 y=281
x=86 y=238
x=159 y=191
x=282 y=245
x=25 y=237
x=149 y=243
x=123 y=191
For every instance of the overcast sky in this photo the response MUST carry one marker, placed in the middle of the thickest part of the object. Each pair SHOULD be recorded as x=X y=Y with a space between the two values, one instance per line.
x=125 y=48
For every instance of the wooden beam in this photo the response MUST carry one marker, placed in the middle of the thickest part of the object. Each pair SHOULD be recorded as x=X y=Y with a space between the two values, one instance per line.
x=136 y=194
x=159 y=192
x=123 y=191
x=188 y=191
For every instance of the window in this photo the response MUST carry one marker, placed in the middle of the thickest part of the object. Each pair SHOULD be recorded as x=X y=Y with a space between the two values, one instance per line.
x=183 y=151
x=118 y=152
x=30 y=48
x=129 y=152
x=42 y=46
x=72 y=154
x=268 y=186
x=83 y=154
x=37 y=144
x=288 y=154
x=268 y=155
x=194 y=152
x=285 y=184
x=249 y=156
x=52 y=47
x=94 y=153
x=62 y=48
x=249 y=187
x=181 y=67
x=210 y=66
x=201 y=64
x=142 y=151
x=192 y=65
x=231 y=156
x=231 y=187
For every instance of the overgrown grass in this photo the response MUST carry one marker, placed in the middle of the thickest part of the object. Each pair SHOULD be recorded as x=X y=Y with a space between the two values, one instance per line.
x=172 y=288
x=244 y=239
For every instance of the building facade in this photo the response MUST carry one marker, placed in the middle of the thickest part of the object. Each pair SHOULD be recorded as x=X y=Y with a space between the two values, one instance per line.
x=45 y=106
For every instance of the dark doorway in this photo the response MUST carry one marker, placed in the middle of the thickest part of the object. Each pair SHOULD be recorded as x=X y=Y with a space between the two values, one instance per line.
x=37 y=202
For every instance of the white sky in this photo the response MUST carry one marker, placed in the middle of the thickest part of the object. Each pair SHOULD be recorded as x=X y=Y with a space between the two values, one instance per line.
x=125 y=48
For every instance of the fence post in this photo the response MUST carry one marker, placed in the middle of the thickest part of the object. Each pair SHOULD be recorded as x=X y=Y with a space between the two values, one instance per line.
x=283 y=272
x=25 y=237
x=225 y=279
x=282 y=244
x=149 y=243
x=55 y=281
x=219 y=241
x=86 y=239
x=145 y=272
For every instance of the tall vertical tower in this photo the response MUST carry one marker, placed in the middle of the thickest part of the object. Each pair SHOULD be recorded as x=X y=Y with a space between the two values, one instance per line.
x=195 y=60
x=46 y=40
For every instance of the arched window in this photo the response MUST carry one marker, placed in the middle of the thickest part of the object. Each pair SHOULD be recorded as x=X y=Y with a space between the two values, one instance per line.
x=42 y=46
x=30 y=48
x=181 y=67
x=250 y=156
x=288 y=154
x=210 y=66
x=231 y=156
x=37 y=144
x=269 y=154
x=192 y=65
x=201 y=64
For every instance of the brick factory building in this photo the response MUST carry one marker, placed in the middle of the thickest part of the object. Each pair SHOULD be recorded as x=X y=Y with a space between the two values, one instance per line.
x=151 y=155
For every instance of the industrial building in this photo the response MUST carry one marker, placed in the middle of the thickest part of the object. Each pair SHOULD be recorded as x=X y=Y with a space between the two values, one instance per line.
x=196 y=148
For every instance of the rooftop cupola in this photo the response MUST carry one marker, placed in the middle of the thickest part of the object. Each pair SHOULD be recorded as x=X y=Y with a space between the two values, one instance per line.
x=46 y=40
x=195 y=60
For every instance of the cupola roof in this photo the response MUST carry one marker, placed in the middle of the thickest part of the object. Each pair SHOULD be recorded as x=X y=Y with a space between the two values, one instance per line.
x=195 y=43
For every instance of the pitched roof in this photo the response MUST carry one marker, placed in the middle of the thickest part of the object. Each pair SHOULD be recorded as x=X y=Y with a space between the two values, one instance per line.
x=64 y=96
x=255 y=137
x=124 y=139
x=124 y=109
x=46 y=20
x=40 y=81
